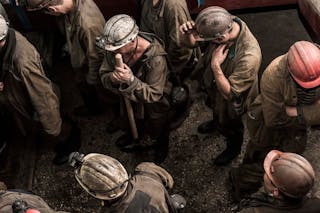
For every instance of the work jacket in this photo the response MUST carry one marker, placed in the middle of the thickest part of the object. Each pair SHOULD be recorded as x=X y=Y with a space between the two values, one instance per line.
x=81 y=27
x=268 y=124
x=164 y=20
x=240 y=68
x=7 y=198
x=146 y=192
x=28 y=94
x=149 y=92
x=260 y=202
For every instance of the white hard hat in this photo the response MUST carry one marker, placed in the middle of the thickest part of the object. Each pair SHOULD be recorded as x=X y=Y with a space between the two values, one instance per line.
x=118 y=31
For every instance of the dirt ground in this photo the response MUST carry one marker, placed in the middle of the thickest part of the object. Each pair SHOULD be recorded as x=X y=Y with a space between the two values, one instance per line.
x=190 y=156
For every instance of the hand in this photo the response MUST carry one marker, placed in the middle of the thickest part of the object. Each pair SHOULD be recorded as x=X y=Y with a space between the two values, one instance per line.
x=123 y=75
x=218 y=56
x=291 y=111
x=187 y=27
x=189 y=33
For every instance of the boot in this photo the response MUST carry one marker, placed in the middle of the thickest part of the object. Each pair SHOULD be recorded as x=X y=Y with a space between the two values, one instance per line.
x=162 y=148
x=179 y=115
x=232 y=151
x=207 y=127
x=72 y=143
x=124 y=140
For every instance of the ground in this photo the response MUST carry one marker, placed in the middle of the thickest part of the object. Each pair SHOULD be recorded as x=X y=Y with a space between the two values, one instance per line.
x=190 y=157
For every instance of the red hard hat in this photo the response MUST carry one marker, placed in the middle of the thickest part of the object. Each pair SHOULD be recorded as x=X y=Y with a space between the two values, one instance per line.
x=291 y=173
x=32 y=211
x=303 y=63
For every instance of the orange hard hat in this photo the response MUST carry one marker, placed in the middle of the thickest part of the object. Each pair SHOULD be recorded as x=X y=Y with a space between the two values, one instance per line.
x=303 y=62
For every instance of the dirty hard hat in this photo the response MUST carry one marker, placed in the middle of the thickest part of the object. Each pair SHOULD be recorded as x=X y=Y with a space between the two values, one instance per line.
x=213 y=22
x=102 y=176
x=3 y=28
x=303 y=62
x=118 y=31
x=291 y=173
x=33 y=5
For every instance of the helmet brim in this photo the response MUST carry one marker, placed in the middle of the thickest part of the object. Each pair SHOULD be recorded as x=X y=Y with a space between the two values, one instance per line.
x=38 y=7
x=100 y=194
x=110 y=47
x=307 y=85
x=268 y=161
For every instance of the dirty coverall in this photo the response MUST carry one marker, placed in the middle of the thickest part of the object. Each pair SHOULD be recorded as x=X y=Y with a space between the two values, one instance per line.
x=270 y=127
x=27 y=94
x=8 y=197
x=146 y=191
x=260 y=202
x=81 y=27
x=27 y=103
x=240 y=68
x=148 y=93
x=164 y=20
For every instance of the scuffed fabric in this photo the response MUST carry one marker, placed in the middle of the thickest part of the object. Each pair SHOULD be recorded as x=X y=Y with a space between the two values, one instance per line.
x=81 y=27
x=149 y=91
x=260 y=202
x=166 y=178
x=7 y=198
x=268 y=108
x=28 y=91
x=146 y=191
x=164 y=20
x=240 y=68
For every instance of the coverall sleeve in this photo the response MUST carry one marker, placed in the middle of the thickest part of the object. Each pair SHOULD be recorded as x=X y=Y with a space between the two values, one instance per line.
x=151 y=90
x=152 y=168
x=273 y=103
x=93 y=53
x=105 y=72
x=175 y=15
x=248 y=210
x=311 y=114
x=42 y=96
x=246 y=72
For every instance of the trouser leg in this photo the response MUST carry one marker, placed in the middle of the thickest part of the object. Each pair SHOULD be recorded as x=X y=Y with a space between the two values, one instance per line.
x=90 y=99
x=68 y=141
x=234 y=139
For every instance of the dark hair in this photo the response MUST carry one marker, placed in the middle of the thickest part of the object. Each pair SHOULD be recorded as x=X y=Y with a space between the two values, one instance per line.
x=55 y=2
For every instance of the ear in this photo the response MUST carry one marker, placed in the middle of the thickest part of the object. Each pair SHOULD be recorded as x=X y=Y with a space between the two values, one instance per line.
x=219 y=39
x=275 y=192
x=52 y=9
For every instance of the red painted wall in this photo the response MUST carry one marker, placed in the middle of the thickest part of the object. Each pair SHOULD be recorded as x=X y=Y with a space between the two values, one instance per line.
x=238 y=4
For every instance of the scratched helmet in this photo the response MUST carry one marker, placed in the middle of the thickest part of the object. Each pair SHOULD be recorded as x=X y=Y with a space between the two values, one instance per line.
x=291 y=173
x=118 y=31
x=213 y=22
x=100 y=175
x=3 y=27
x=33 y=5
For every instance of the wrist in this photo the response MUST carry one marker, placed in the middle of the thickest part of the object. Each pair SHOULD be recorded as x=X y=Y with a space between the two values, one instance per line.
x=215 y=67
x=131 y=79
